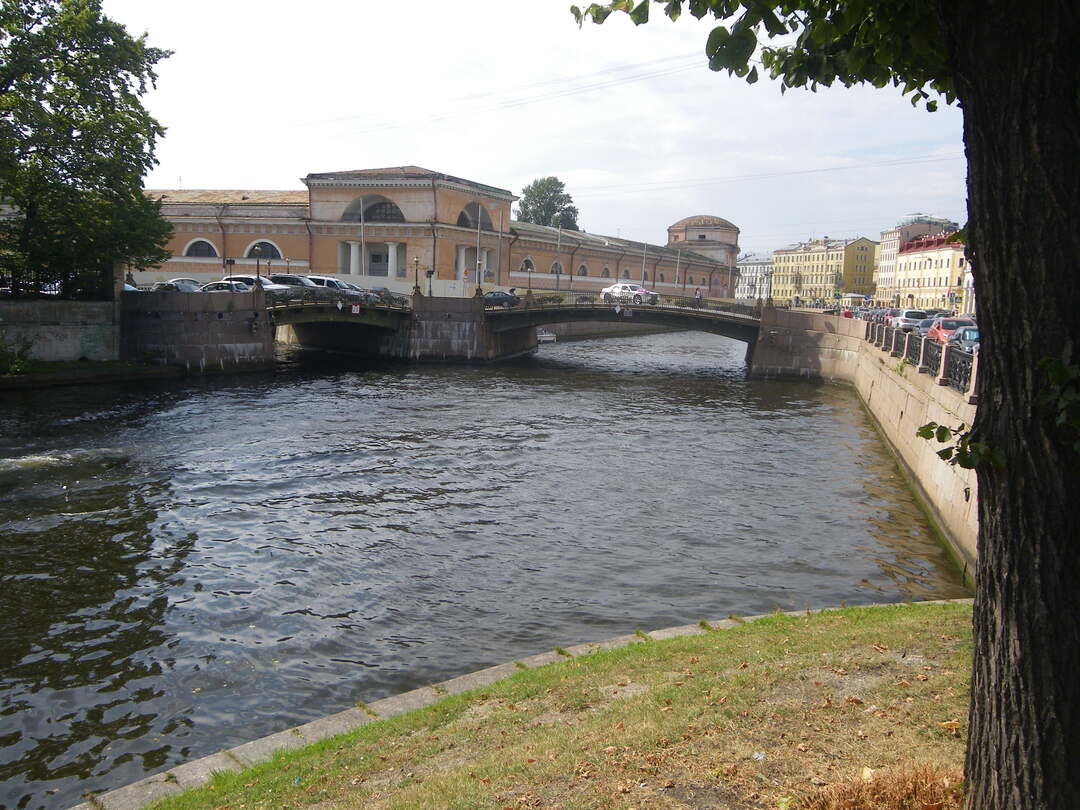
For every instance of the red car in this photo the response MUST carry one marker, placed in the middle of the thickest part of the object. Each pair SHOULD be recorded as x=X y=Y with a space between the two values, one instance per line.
x=943 y=327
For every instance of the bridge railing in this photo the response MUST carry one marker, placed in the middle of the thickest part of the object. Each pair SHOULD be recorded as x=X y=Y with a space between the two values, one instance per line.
x=540 y=299
x=321 y=296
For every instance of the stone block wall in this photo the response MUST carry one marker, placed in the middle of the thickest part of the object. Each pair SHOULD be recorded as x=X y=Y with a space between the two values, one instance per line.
x=62 y=330
x=897 y=396
x=200 y=331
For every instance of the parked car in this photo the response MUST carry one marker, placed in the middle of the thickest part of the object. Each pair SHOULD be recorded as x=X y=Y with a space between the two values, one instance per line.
x=262 y=281
x=908 y=319
x=924 y=327
x=185 y=284
x=176 y=285
x=966 y=338
x=943 y=327
x=389 y=297
x=499 y=298
x=292 y=280
x=226 y=286
x=889 y=315
x=625 y=291
x=331 y=283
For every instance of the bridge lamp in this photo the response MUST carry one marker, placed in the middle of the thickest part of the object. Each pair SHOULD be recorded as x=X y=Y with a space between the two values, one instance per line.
x=416 y=276
x=257 y=250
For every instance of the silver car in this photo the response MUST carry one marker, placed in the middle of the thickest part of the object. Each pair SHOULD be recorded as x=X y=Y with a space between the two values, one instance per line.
x=908 y=319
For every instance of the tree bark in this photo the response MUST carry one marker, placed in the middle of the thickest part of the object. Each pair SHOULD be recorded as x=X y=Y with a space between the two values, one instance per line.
x=1017 y=73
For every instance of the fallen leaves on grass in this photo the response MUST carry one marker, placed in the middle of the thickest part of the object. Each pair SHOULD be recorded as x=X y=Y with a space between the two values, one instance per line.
x=919 y=787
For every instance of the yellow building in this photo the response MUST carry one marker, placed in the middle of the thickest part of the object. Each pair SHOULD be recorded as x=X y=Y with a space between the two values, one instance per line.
x=822 y=270
x=930 y=272
x=388 y=227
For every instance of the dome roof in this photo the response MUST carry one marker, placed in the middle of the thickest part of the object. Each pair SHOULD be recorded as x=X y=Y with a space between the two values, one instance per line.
x=700 y=220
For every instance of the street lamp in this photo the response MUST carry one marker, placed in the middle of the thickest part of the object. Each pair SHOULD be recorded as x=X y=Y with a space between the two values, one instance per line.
x=257 y=250
x=416 y=276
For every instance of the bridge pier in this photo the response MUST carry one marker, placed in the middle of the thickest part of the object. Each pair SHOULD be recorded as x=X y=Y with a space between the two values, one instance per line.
x=455 y=330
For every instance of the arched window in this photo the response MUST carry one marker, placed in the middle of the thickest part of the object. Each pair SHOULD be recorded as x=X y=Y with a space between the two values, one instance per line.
x=556 y=267
x=527 y=266
x=372 y=208
x=661 y=276
x=266 y=251
x=605 y=273
x=385 y=211
x=202 y=249
x=583 y=270
x=468 y=217
x=645 y=275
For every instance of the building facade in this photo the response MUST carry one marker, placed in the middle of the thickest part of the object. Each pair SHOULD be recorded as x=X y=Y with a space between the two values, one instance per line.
x=908 y=228
x=931 y=271
x=822 y=270
x=406 y=227
x=755 y=277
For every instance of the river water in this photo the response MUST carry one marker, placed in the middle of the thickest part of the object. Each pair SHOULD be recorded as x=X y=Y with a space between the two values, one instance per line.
x=188 y=565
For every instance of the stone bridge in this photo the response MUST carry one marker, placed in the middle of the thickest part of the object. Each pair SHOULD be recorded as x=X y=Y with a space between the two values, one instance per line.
x=221 y=330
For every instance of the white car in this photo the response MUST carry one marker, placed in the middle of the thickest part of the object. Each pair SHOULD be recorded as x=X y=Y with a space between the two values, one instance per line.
x=330 y=283
x=262 y=281
x=225 y=286
x=626 y=291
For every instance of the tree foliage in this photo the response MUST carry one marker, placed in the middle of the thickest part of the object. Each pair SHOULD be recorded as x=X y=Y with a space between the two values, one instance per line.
x=1013 y=68
x=545 y=202
x=819 y=42
x=75 y=143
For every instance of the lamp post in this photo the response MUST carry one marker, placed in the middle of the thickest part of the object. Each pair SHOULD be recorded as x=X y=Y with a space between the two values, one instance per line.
x=529 y=266
x=257 y=250
x=416 y=276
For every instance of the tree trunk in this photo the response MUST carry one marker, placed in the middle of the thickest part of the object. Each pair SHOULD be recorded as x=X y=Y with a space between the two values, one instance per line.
x=1016 y=67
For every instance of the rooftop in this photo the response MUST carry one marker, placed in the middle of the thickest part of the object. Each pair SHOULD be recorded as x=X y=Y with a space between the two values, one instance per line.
x=400 y=173
x=703 y=220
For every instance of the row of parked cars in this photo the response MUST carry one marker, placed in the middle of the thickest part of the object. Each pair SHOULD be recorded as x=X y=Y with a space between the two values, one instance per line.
x=283 y=283
x=941 y=325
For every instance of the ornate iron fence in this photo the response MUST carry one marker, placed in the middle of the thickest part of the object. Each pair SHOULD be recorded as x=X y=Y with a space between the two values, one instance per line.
x=913 y=352
x=931 y=363
x=887 y=339
x=958 y=368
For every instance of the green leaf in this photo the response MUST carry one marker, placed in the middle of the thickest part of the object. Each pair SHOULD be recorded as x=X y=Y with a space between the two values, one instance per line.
x=942 y=434
x=640 y=14
x=926 y=431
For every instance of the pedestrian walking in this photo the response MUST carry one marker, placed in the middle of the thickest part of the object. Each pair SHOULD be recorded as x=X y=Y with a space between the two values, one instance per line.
x=697 y=297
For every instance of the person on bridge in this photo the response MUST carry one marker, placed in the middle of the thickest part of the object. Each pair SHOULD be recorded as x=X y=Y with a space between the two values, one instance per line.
x=697 y=296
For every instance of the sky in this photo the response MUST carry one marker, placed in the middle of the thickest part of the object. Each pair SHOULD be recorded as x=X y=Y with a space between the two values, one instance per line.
x=260 y=93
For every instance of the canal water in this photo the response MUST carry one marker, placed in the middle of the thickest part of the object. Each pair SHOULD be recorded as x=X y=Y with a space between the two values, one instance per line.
x=191 y=564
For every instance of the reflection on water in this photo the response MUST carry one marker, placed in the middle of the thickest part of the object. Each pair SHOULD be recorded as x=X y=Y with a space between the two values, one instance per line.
x=188 y=565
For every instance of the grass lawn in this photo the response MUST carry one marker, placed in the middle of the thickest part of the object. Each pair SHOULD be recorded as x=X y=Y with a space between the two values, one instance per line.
x=777 y=713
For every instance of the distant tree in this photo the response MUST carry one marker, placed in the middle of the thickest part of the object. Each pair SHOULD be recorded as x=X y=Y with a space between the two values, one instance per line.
x=545 y=202
x=1014 y=69
x=75 y=143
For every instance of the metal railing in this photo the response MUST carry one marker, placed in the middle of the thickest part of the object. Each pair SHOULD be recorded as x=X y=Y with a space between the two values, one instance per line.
x=931 y=362
x=590 y=299
x=958 y=368
x=913 y=351
x=321 y=296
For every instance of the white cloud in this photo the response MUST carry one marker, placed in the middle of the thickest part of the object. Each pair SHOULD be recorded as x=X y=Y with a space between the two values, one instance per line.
x=259 y=94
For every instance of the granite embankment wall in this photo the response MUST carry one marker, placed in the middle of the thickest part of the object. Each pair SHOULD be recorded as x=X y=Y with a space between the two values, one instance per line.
x=218 y=331
x=61 y=330
x=898 y=397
